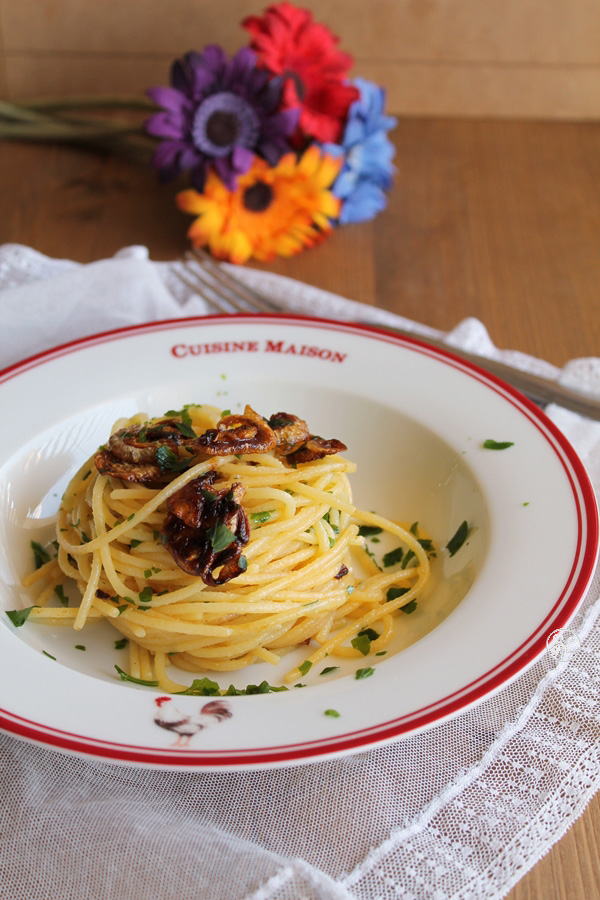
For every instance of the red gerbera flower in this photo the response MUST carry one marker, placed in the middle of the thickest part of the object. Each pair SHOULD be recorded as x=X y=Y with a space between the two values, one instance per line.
x=289 y=43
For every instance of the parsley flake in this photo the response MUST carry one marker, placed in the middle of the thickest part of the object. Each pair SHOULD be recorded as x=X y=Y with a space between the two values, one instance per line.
x=261 y=517
x=60 y=593
x=364 y=673
x=393 y=557
x=305 y=667
x=168 y=460
x=394 y=592
x=458 y=538
x=19 y=616
x=361 y=643
x=369 y=530
x=333 y=713
x=497 y=445
x=409 y=607
x=146 y=595
x=220 y=536
x=202 y=687
x=125 y=677
x=40 y=555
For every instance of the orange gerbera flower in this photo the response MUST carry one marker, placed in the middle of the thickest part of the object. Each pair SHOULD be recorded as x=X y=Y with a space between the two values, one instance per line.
x=274 y=210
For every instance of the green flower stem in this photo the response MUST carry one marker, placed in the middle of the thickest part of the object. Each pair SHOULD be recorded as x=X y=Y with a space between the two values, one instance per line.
x=57 y=131
x=108 y=102
x=35 y=120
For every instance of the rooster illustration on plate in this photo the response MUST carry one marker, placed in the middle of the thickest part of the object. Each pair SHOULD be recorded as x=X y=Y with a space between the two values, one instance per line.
x=186 y=726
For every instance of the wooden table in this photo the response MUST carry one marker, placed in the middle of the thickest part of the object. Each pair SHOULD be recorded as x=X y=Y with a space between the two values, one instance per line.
x=498 y=220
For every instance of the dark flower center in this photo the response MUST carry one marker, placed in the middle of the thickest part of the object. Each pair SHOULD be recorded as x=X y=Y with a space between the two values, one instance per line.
x=258 y=197
x=298 y=83
x=222 y=128
x=222 y=122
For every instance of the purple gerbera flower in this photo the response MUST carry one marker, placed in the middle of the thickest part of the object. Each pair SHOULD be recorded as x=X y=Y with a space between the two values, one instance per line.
x=218 y=113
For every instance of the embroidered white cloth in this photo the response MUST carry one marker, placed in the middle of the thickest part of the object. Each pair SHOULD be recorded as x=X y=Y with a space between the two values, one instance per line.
x=461 y=811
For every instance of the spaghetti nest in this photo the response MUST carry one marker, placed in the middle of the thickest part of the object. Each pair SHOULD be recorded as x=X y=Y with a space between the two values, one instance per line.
x=219 y=558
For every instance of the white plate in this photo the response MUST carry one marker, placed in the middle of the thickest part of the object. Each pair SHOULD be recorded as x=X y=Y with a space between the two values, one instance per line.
x=414 y=420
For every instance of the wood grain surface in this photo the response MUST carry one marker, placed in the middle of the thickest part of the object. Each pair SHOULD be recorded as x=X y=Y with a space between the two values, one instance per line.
x=511 y=58
x=498 y=220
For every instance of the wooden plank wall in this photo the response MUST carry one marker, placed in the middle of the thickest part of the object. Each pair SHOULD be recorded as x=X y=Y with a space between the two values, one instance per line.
x=503 y=58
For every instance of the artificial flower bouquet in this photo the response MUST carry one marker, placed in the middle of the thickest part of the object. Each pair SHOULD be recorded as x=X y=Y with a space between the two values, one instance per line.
x=280 y=146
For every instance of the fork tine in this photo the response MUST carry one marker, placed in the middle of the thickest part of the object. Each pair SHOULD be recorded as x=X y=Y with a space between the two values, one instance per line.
x=225 y=300
x=250 y=298
x=197 y=286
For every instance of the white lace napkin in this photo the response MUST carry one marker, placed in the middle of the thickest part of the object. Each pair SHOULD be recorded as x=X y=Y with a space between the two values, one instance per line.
x=460 y=811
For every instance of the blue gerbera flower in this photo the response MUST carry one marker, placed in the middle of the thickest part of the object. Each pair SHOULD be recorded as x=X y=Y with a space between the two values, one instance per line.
x=368 y=153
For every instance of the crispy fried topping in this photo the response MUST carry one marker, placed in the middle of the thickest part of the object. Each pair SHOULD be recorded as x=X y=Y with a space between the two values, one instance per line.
x=316 y=448
x=139 y=443
x=290 y=432
x=145 y=453
x=206 y=529
x=109 y=464
x=247 y=433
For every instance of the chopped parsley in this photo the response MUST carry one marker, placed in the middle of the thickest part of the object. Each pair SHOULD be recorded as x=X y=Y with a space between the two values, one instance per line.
x=168 y=460
x=305 y=667
x=369 y=530
x=145 y=596
x=393 y=557
x=364 y=673
x=220 y=536
x=370 y=633
x=49 y=655
x=410 y=554
x=409 y=607
x=134 y=543
x=121 y=643
x=40 y=555
x=79 y=647
x=371 y=556
x=182 y=414
x=280 y=421
x=394 y=592
x=261 y=517
x=125 y=677
x=185 y=429
x=333 y=713
x=202 y=687
x=263 y=688
x=361 y=643
x=328 y=669
x=60 y=593
x=458 y=538
x=19 y=616
x=497 y=445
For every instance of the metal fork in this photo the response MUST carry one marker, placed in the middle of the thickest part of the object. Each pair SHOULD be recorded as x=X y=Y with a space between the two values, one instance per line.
x=227 y=294
x=221 y=290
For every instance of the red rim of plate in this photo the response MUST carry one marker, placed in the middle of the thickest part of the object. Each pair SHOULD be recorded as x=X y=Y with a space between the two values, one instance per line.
x=520 y=659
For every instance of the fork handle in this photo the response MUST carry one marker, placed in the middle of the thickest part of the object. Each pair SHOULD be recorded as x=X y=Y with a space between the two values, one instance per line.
x=540 y=390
